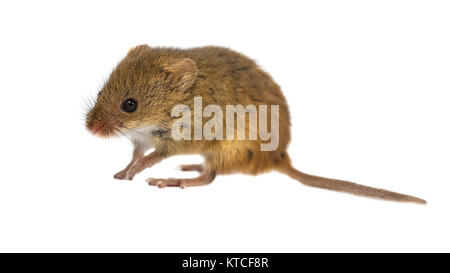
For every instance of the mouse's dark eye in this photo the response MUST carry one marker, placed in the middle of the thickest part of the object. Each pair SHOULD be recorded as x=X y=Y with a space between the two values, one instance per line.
x=129 y=105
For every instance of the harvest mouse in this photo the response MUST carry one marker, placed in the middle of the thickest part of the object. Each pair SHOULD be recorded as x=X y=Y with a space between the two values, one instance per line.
x=138 y=99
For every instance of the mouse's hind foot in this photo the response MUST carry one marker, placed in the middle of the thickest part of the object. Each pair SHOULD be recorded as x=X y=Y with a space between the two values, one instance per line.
x=192 y=168
x=205 y=178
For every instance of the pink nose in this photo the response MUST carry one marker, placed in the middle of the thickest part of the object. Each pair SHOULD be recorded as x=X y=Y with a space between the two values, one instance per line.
x=103 y=128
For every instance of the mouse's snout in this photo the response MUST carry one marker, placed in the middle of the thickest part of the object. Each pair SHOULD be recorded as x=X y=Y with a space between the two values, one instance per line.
x=103 y=127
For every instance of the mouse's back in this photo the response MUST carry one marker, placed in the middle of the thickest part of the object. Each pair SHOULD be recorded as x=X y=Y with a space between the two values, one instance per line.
x=226 y=77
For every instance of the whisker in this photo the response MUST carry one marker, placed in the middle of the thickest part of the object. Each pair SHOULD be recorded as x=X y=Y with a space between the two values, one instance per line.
x=135 y=131
x=125 y=135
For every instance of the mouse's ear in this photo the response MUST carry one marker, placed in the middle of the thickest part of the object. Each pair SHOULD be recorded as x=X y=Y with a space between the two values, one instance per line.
x=185 y=71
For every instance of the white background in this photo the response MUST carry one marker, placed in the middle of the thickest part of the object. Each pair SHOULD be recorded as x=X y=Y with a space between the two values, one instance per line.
x=368 y=87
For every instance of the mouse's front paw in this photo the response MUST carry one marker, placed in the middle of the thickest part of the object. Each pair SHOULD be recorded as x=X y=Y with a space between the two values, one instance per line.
x=131 y=173
x=121 y=175
x=134 y=169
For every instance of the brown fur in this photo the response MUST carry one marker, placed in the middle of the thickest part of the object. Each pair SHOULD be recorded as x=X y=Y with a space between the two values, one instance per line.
x=160 y=78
